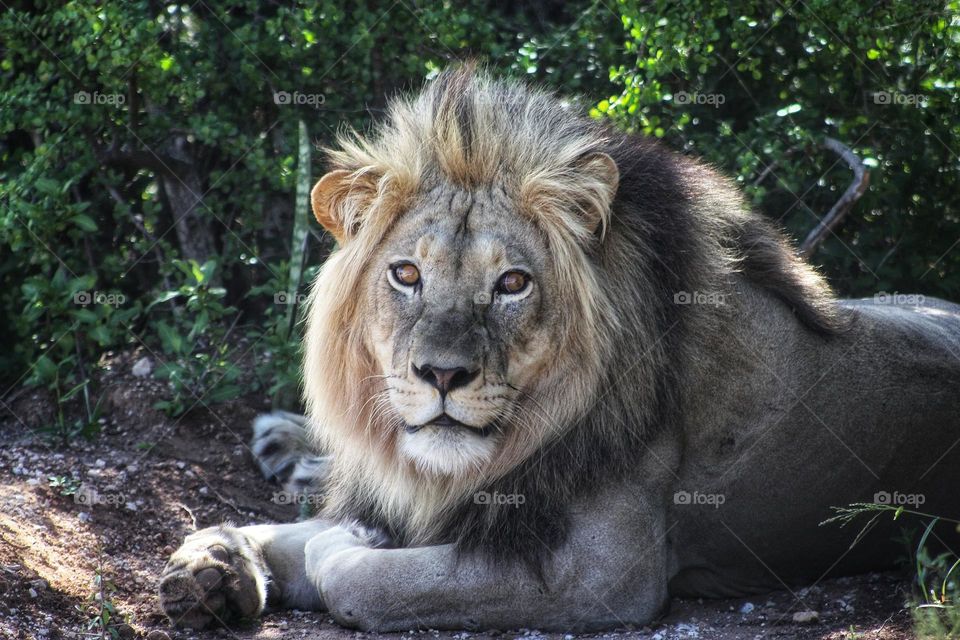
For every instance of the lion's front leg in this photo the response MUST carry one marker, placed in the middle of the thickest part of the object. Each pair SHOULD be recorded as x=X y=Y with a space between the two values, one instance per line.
x=223 y=574
x=610 y=573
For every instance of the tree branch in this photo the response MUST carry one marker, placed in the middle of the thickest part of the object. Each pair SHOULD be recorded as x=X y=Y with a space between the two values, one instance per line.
x=861 y=180
x=139 y=159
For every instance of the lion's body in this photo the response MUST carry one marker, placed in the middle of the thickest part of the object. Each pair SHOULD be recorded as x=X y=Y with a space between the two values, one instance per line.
x=806 y=425
x=667 y=400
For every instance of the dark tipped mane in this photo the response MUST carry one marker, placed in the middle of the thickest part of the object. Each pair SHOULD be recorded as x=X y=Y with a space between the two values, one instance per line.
x=770 y=263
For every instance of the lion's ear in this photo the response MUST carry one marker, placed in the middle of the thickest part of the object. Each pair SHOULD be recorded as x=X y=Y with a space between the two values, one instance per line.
x=339 y=199
x=599 y=179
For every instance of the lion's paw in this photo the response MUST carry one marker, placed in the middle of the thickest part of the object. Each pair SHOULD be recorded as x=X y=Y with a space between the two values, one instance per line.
x=215 y=577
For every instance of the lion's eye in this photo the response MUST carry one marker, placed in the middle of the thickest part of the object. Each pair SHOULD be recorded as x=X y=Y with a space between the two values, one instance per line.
x=406 y=274
x=513 y=282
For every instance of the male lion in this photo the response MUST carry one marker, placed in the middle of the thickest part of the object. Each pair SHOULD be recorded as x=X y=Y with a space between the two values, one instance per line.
x=561 y=373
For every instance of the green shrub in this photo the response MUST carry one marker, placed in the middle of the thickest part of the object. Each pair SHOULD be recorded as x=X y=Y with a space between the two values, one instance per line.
x=757 y=84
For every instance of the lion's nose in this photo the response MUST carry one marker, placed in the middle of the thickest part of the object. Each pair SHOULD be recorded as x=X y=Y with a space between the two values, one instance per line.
x=445 y=380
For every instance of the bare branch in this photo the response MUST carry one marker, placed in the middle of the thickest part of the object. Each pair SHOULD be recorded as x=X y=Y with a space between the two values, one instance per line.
x=122 y=157
x=767 y=170
x=861 y=180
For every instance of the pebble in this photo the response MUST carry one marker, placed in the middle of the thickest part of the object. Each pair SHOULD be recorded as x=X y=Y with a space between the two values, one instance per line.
x=747 y=607
x=685 y=630
x=142 y=368
x=806 y=617
x=157 y=634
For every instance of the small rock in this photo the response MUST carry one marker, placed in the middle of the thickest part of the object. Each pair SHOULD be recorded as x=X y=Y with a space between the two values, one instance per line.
x=806 y=617
x=39 y=584
x=83 y=516
x=157 y=634
x=33 y=592
x=747 y=607
x=130 y=506
x=687 y=631
x=142 y=368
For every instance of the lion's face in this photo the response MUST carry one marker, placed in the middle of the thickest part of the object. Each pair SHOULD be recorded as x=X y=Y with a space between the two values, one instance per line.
x=461 y=293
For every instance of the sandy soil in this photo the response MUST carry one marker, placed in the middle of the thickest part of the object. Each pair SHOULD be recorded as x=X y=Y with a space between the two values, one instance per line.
x=148 y=480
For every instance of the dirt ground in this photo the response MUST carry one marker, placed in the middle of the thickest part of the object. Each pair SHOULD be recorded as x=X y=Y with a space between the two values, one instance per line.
x=148 y=480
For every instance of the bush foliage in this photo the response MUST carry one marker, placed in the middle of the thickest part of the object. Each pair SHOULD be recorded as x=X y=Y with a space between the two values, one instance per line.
x=149 y=151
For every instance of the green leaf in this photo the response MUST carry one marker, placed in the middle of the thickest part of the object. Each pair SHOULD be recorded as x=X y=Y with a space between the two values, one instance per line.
x=166 y=296
x=84 y=222
x=223 y=393
x=47 y=186
x=74 y=391
x=45 y=370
